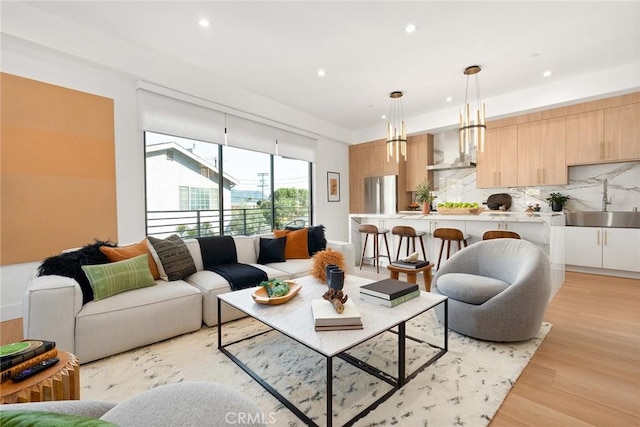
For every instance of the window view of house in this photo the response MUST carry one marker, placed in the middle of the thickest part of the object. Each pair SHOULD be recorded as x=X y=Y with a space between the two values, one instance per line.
x=196 y=188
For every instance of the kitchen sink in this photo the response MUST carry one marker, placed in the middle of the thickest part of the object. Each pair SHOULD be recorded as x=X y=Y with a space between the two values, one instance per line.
x=603 y=219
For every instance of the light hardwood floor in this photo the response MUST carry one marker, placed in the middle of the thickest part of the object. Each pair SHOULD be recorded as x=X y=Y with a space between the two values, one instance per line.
x=587 y=370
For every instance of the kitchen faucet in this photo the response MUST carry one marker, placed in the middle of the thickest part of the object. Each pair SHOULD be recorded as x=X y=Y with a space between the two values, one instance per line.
x=605 y=199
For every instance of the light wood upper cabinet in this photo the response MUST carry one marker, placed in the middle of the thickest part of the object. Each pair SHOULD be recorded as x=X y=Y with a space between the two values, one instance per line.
x=419 y=155
x=622 y=132
x=497 y=164
x=541 y=152
x=604 y=135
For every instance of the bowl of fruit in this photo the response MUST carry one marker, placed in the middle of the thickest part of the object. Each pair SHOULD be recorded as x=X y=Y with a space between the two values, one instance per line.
x=459 y=208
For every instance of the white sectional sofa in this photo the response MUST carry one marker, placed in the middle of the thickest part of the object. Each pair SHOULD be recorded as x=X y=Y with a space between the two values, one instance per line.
x=54 y=309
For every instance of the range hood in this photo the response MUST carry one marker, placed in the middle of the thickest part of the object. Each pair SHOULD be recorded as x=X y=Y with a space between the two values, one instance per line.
x=451 y=166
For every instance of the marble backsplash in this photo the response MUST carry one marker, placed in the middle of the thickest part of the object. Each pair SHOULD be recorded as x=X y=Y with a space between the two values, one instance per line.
x=584 y=189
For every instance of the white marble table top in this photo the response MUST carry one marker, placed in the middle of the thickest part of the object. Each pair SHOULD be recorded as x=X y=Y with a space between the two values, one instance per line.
x=295 y=319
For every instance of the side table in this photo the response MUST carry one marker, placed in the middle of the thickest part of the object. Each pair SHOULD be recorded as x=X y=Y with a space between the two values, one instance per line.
x=59 y=382
x=412 y=274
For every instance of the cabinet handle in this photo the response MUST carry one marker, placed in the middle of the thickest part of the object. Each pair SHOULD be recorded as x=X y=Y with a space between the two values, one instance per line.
x=543 y=180
x=602 y=150
x=598 y=240
x=499 y=177
x=605 y=237
x=495 y=181
x=538 y=175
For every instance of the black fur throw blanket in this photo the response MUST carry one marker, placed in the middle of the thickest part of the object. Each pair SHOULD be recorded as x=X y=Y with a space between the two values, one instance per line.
x=69 y=264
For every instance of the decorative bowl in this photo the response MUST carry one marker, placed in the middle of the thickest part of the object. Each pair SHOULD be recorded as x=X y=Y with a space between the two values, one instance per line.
x=261 y=297
x=459 y=211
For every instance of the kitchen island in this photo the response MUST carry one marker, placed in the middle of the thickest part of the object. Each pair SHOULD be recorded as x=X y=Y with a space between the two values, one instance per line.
x=543 y=229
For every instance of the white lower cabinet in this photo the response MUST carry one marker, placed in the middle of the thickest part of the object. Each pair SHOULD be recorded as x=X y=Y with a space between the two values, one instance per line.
x=610 y=248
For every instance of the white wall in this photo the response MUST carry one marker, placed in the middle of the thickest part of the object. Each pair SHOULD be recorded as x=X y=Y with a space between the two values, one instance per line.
x=29 y=60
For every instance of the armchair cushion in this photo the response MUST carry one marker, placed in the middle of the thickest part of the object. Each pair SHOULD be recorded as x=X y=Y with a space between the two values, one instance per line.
x=470 y=288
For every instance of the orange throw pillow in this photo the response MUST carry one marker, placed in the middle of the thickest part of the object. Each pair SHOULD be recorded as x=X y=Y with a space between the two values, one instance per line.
x=131 y=251
x=297 y=243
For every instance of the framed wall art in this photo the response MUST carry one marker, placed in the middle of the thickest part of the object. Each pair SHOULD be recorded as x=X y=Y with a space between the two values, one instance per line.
x=333 y=186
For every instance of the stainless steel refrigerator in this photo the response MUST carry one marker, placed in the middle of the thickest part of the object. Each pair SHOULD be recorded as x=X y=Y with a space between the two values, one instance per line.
x=381 y=194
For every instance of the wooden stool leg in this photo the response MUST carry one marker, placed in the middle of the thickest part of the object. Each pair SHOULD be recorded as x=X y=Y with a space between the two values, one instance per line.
x=424 y=253
x=427 y=279
x=394 y=275
x=364 y=248
x=448 y=248
x=412 y=277
x=376 y=253
x=399 y=247
x=440 y=255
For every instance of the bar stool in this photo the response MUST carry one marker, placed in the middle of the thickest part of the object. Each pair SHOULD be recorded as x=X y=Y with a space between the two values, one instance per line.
x=370 y=229
x=500 y=234
x=448 y=235
x=411 y=234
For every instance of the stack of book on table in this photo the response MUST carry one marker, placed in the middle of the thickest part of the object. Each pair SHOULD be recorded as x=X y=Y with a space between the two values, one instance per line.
x=389 y=292
x=410 y=265
x=326 y=318
x=18 y=357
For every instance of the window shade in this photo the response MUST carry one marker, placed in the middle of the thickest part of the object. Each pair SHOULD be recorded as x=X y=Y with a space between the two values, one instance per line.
x=164 y=110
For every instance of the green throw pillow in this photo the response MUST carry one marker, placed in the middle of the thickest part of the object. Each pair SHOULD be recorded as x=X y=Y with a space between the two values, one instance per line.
x=116 y=277
x=26 y=418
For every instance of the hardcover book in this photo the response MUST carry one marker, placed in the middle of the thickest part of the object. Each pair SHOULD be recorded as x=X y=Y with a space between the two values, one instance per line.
x=387 y=302
x=403 y=264
x=18 y=352
x=14 y=370
x=388 y=289
x=325 y=315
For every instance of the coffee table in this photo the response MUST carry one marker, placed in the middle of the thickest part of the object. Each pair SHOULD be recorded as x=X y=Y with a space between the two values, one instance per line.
x=376 y=319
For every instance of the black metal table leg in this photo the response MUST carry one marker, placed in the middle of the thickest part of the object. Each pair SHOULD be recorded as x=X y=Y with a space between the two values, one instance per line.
x=329 y=396
x=401 y=353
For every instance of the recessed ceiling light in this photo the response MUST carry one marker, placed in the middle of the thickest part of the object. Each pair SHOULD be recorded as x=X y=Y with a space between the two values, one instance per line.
x=322 y=72
x=204 y=23
x=547 y=73
x=449 y=99
x=384 y=116
x=410 y=28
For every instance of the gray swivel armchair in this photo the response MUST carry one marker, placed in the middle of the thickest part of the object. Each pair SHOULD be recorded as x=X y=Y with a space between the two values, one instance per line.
x=498 y=289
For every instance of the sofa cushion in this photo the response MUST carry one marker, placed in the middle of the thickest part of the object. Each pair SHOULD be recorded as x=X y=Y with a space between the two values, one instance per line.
x=69 y=264
x=126 y=252
x=272 y=250
x=316 y=239
x=43 y=418
x=297 y=243
x=470 y=288
x=111 y=279
x=172 y=257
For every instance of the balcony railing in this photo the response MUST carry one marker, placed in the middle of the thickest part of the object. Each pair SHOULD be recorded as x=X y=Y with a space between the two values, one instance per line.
x=242 y=221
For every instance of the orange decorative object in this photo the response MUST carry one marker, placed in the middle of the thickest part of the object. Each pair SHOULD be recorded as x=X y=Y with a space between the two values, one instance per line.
x=323 y=258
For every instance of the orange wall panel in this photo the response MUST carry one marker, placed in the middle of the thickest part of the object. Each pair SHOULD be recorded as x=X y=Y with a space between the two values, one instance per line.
x=57 y=165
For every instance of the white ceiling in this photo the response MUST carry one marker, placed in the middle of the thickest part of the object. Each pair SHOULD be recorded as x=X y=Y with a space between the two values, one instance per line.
x=275 y=48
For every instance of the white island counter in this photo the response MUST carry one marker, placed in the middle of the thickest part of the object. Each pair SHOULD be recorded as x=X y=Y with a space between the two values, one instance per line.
x=543 y=229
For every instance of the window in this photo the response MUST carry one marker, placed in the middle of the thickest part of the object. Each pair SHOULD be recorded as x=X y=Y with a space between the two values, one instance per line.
x=197 y=188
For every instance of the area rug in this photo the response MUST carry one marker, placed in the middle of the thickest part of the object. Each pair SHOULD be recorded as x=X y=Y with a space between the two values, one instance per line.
x=464 y=387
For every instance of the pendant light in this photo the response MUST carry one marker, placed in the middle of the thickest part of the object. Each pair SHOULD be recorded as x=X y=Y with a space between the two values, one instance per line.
x=396 y=130
x=472 y=121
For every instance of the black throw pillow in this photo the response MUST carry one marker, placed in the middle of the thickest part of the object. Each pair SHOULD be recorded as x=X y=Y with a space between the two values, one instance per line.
x=315 y=241
x=272 y=250
x=69 y=264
